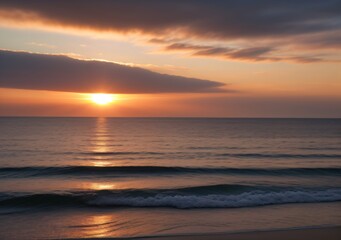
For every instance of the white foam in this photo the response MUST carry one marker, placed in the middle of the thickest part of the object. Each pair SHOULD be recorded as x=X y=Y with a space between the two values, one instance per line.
x=247 y=199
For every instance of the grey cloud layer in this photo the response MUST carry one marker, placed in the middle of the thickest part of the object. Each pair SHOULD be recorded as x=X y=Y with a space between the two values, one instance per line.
x=220 y=18
x=60 y=73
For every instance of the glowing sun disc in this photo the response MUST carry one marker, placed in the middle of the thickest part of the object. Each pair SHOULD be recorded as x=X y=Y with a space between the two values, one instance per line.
x=102 y=99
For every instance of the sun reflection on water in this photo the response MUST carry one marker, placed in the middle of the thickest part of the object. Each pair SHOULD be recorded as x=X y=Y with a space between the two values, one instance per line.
x=98 y=226
x=99 y=163
x=101 y=146
x=101 y=135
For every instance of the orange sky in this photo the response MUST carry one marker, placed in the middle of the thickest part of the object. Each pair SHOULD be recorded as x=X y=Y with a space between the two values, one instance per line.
x=230 y=69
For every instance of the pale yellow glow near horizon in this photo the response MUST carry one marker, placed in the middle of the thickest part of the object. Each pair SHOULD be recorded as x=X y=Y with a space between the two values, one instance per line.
x=102 y=98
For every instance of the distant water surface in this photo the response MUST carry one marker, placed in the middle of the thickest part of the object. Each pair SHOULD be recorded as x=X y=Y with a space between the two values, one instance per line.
x=123 y=177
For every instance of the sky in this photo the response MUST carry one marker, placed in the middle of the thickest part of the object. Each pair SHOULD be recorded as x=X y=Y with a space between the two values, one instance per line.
x=176 y=58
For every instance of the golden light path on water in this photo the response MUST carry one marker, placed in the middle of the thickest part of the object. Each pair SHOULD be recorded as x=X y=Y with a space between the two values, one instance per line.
x=99 y=226
x=101 y=146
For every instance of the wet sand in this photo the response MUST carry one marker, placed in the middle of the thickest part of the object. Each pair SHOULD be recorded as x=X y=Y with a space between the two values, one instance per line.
x=332 y=233
x=326 y=233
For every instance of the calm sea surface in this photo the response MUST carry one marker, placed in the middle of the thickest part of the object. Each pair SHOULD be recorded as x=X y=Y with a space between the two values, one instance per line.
x=125 y=177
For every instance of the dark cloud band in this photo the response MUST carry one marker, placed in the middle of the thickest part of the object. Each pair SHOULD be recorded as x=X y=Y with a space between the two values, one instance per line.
x=60 y=73
x=214 y=19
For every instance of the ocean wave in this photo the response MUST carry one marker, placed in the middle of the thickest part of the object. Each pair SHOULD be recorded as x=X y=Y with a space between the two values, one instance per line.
x=216 y=196
x=159 y=170
x=215 y=148
x=122 y=153
x=280 y=155
x=247 y=199
x=201 y=154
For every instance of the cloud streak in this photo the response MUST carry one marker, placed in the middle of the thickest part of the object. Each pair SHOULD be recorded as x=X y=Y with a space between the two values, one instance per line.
x=229 y=53
x=24 y=70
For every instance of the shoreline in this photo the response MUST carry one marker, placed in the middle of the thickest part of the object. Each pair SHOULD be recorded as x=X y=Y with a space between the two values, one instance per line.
x=322 y=233
x=313 y=233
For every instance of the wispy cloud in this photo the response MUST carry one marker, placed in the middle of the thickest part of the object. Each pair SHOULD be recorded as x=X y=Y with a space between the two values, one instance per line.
x=44 y=45
x=233 y=53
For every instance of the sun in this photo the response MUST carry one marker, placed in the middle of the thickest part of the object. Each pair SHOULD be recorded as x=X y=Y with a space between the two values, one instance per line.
x=102 y=98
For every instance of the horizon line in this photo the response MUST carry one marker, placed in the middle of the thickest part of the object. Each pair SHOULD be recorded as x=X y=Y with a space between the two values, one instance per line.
x=202 y=117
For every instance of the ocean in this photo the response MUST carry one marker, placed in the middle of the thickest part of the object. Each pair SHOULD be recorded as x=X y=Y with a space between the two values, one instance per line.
x=132 y=177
